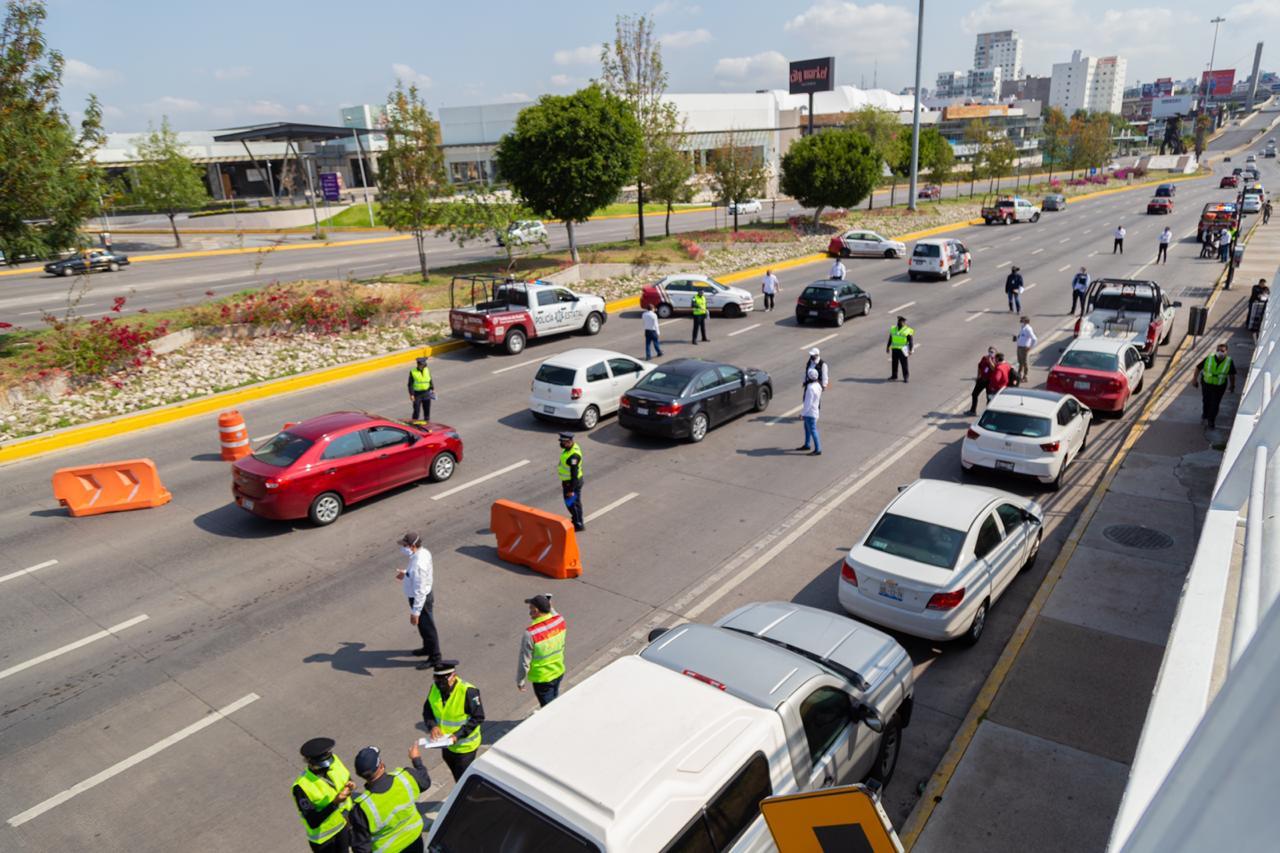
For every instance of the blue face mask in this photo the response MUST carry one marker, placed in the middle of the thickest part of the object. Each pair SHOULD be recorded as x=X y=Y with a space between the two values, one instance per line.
x=407 y=550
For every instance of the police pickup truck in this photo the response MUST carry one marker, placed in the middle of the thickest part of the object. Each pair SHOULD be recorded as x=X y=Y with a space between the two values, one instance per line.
x=1131 y=309
x=1007 y=210
x=506 y=313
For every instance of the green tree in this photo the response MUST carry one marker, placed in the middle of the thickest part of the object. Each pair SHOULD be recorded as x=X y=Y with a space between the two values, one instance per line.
x=977 y=135
x=885 y=133
x=670 y=169
x=1000 y=158
x=48 y=183
x=835 y=168
x=937 y=157
x=483 y=213
x=568 y=156
x=165 y=179
x=1053 y=137
x=411 y=170
x=738 y=173
x=1203 y=125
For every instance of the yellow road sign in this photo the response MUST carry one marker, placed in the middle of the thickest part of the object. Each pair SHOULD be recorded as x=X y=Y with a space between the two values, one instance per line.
x=833 y=820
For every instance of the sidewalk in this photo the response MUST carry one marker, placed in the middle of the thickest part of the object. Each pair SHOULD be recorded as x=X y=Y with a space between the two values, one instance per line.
x=1043 y=757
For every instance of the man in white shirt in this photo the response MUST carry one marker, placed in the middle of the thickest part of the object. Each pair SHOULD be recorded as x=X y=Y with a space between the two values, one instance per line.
x=1079 y=290
x=419 y=579
x=837 y=270
x=651 y=340
x=809 y=412
x=1026 y=340
x=1118 y=245
x=1162 y=253
x=769 y=287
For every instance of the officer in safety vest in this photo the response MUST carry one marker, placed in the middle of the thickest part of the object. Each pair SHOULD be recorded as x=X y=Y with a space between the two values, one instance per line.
x=901 y=342
x=386 y=817
x=1212 y=377
x=699 y=315
x=322 y=795
x=570 y=471
x=453 y=710
x=542 y=650
x=421 y=391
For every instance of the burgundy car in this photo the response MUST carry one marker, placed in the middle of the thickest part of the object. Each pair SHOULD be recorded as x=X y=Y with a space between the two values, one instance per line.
x=317 y=468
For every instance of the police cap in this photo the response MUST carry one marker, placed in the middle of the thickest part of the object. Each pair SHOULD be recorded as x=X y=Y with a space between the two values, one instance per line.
x=367 y=761
x=542 y=602
x=445 y=667
x=566 y=436
x=317 y=748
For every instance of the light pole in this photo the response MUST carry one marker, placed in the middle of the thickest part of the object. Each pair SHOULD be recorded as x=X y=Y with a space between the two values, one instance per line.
x=1208 y=81
x=915 y=112
x=360 y=159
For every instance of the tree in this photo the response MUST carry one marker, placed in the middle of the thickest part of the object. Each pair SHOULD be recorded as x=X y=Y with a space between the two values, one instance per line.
x=885 y=132
x=48 y=183
x=1000 y=157
x=1053 y=138
x=484 y=213
x=737 y=173
x=669 y=171
x=165 y=179
x=411 y=169
x=936 y=156
x=835 y=168
x=1203 y=125
x=568 y=156
x=977 y=135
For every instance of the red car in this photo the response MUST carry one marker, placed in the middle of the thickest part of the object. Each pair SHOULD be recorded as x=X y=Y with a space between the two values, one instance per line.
x=1103 y=373
x=1229 y=181
x=315 y=469
x=1160 y=204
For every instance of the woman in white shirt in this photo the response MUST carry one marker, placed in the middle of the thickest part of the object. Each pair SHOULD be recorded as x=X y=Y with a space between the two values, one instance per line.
x=809 y=412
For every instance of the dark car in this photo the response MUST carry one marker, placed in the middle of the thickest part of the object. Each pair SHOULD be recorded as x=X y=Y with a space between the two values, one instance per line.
x=1054 y=201
x=317 y=468
x=1160 y=204
x=98 y=259
x=1166 y=190
x=832 y=301
x=686 y=397
x=1229 y=181
x=929 y=191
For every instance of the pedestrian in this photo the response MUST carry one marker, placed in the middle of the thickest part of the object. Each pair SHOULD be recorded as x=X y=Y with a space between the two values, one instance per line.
x=1209 y=243
x=1259 y=295
x=985 y=365
x=699 y=315
x=1259 y=292
x=386 y=817
x=815 y=362
x=421 y=390
x=1266 y=211
x=105 y=237
x=1013 y=288
x=1212 y=376
x=570 y=471
x=1162 y=250
x=1026 y=340
x=1118 y=245
x=652 y=341
x=837 y=271
x=1224 y=244
x=809 y=412
x=1002 y=376
x=542 y=650
x=769 y=287
x=1079 y=290
x=322 y=794
x=901 y=343
x=453 y=710
x=419 y=582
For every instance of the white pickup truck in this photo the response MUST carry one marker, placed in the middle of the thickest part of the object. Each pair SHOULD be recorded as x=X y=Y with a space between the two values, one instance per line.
x=1132 y=309
x=506 y=313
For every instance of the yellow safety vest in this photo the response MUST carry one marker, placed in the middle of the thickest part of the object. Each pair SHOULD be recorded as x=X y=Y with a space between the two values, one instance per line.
x=321 y=790
x=421 y=378
x=898 y=337
x=699 y=304
x=1215 y=372
x=394 y=820
x=452 y=715
x=565 y=473
x=548 y=634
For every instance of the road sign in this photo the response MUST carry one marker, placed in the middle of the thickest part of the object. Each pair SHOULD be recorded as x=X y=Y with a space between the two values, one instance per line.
x=833 y=820
x=331 y=186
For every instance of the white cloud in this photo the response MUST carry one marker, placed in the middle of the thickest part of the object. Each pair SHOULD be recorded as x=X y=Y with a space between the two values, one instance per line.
x=672 y=7
x=410 y=75
x=848 y=29
x=685 y=38
x=78 y=73
x=303 y=110
x=761 y=70
x=235 y=72
x=584 y=55
x=111 y=112
x=266 y=109
x=1253 y=10
x=513 y=98
x=561 y=80
x=171 y=104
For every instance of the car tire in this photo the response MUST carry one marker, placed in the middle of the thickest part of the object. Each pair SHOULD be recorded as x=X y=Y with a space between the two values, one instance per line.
x=763 y=395
x=733 y=309
x=1035 y=552
x=974 y=633
x=913 y=277
x=799 y=318
x=1084 y=441
x=113 y=266
x=887 y=753
x=64 y=271
x=1141 y=383
x=1035 y=217
x=515 y=342
x=839 y=321
x=594 y=323
x=866 y=306
x=698 y=427
x=443 y=466
x=946 y=274
x=590 y=417
x=325 y=509
x=890 y=254
x=664 y=310
x=1056 y=485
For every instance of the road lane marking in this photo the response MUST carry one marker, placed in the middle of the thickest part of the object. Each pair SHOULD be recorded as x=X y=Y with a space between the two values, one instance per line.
x=137 y=758
x=515 y=366
x=1037 y=251
x=747 y=329
x=37 y=567
x=1086 y=231
x=810 y=346
x=1064 y=268
x=1003 y=264
x=71 y=647
x=480 y=480
x=973 y=317
x=1016 y=239
x=1031 y=285
x=619 y=502
x=264 y=437
x=789 y=413
x=899 y=308
x=1060 y=242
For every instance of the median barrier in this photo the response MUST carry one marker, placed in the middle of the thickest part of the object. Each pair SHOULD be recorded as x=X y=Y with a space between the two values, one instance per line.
x=540 y=540
x=109 y=487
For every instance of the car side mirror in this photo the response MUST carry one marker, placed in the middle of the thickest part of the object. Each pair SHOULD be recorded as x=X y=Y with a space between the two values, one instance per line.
x=1031 y=519
x=656 y=633
x=1061 y=350
x=871 y=718
x=743 y=380
x=1177 y=304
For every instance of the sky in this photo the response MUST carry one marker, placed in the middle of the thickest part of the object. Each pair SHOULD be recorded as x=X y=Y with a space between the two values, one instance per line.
x=208 y=65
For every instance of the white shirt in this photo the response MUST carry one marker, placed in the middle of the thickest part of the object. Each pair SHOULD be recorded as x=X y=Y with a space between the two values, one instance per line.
x=837 y=270
x=418 y=578
x=824 y=376
x=650 y=318
x=1120 y=233
x=1165 y=236
x=770 y=283
x=1027 y=337
x=812 y=400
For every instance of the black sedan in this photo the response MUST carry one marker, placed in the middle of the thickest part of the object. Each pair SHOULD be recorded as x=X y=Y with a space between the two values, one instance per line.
x=98 y=259
x=685 y=397
x=832 y=301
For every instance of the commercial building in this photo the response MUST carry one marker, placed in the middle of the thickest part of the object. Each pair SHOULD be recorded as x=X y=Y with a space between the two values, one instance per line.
x=951 y=84
x=1001 y=50
x=1020 y=122
x=982 y=84
x=1094 y=84
x=1026 y=89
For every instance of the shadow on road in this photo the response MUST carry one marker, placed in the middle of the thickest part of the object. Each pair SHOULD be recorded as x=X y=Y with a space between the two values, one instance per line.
x=231 y=520
x=358 y=660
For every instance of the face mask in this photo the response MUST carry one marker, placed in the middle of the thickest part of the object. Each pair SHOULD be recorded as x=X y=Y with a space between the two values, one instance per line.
x=442 y=683
x=406 y=550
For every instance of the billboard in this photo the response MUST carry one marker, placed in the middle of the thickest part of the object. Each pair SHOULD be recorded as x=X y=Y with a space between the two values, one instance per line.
x=1163 y=87
x=974 y=111
x=1148 y=91
x=1217 y=84
x=813 y=75
x=1177 y=105
x=331 y=186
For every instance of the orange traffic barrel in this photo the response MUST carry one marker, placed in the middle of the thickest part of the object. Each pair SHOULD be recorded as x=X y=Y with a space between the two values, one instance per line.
x=233 y=435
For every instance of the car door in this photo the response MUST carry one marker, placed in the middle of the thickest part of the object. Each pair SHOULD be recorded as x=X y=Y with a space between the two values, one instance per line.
x=569 y=311
x=829 y=721
x=962 y=255
x=1133 y=368
x=626 y=373
x=705 y=391
x=679 y=293
x=1068 y=427
x=861 y=243
x=1007 y=557
x=395 y=459
x=981 y=577
x=598 y=389
x=345 y=466
x=716 y=296
x=544 y=311
x=738 y=396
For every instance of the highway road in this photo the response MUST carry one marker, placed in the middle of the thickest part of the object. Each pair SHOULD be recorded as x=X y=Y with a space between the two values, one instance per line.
x=291 y=632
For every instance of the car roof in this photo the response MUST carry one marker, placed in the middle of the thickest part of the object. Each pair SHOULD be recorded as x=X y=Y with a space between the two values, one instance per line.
x=1099 y=344
x=953 y=505
x=584 y=357
x=828 y=282
x=314 y=428
x=1135 y=284
x=689 y=366
x=936 y=241
x=1027 y=401
x=693 y=276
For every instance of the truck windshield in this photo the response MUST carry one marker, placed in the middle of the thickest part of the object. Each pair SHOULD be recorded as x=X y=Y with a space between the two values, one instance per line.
x=486 y=819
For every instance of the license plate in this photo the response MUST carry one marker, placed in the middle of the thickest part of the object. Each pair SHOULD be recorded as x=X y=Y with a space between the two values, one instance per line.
x=813 y=313
x=246 y=503
x=641 y=411
x=466 y=335
x=889 y=589
x=1082 y=386
x=550 y=410
x=1004 y=465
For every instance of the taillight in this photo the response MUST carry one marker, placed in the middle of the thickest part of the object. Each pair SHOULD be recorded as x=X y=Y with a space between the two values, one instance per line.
x=833 y=304
x=1152 y=331
x=669 y=409
x=971 y=433
x=1076 y=331
x=847 y=574
x=271 y=483
x=1114 y=384
x=941 y=264
x=624 y=403
x=704 y=679
x=1051 y=446
x=945 y=600
x=575 y=394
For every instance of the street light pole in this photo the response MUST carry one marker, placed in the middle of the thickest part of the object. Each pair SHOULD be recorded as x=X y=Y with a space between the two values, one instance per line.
x=1208 y=82
x=915 y=112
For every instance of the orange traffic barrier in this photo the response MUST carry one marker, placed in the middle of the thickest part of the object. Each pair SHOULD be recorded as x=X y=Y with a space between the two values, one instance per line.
x=234 y=436
x=540 y=540
x=109 y=487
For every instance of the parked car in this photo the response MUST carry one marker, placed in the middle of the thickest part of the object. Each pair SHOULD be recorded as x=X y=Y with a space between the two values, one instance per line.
x=931 y=191
x=492 y=311
x=675 y=293
x=1215 y=215
x=686 y=397
x=1160 y=204
x=1031 y=433
x=1103 y=373
x=1231 y=181
x=1252 y=203
x=747 y=205
x=583 y=384
x=832 y=301
x=865 y=244
x=94 y=260
x=317 y=468
x=937 y=558
x=1054 y=201
x=1006 y=210
x=938 y=258
x=1166 y=191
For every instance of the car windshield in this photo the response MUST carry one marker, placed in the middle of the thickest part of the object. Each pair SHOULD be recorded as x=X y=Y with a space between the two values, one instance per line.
x=1014 y=423
x=554 y=374
x=664 y=382
x=1086 y=360
x=926 y=250
x=1114 y=301
x=818 y=293
x=485 y=817
x=282 y=450
x=912 y=539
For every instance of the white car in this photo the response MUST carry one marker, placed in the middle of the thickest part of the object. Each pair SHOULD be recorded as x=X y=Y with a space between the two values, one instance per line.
x=583 y=384
x=938 y=557
x=1252 y=158
x=675 y=293
x=1033 y=433
x=524 y=232
x=867 y=244
x=1252 y=203
x=938 y=258
x=747 y=205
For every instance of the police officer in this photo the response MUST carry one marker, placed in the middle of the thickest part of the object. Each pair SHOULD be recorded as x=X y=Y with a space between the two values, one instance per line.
x=1211 y=377
x=699 y=315
x=542 y=650
x=901 y=342
x=386 y=817
x=322 y=794
x=421 y=389
x=453 y=710
x=570 y=471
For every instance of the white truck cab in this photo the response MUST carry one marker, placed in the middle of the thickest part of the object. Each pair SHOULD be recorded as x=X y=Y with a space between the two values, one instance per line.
x=508 y=313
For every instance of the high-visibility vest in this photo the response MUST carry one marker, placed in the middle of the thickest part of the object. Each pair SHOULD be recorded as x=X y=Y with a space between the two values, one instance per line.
x=394 y=820
x=1215 y=372
x=452 y=715
x=548 y=635
x=421 y=378
x=898 y=336
x=565 y=473
x=699 y=304
x=321 y=790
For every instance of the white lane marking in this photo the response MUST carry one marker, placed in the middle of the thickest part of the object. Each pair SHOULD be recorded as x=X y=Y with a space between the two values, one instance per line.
x=71 y=647
x=789 y=413
x=1031 y=285
x=480 y=480
x=1143 y=267
x=1086 y=231
x=1064 y=268
x=1003 y=264
x=137 y=758
x=37 y=567
x=264 y=437
x=960 y=281
x=973 y=317
x=515 y=366
x=1060 y=242
x=1036 y=251
x=747 y=329
x=1016 y=239
x=1091 y=254
x=899 y=308
x=619 y=502
x=810 y=346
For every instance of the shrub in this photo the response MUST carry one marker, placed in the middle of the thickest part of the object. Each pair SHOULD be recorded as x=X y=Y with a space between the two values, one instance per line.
x=329 y=309
x=692 y=249
x=94 y=348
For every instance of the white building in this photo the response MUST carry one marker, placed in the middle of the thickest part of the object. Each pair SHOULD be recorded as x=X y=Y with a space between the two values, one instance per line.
x=984 y=83
x=951 y=84
x=1001 y=50
x=1088 y=83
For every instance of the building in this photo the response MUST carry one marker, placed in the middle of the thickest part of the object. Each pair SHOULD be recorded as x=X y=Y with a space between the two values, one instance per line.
x=979 y=84
x=984 y=83
x=1001 y=50
x=1026 y=89
x=951 y=84
x=1094 y=84
x=1021 y=122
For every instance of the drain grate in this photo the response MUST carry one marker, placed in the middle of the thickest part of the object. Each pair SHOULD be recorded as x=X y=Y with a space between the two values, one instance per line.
x=1137 y=536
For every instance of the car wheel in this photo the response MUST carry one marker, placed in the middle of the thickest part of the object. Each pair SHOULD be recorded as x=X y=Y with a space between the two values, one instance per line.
x=799 y=318
x=762 y=399
x=890 y=253
x=325 y=509
x=664 y=311
x=590 y=418
x=976 y=627
x=913 y=276
x=113 y=266
x=1141 y=382
x=64 y=271
x=839 y=318
x=443 y=466
x=866 y=306
x=593 y=324
x=515 y=342
x=887 y=753
x=946 y=274
x=1084 y=440
x=1035 y=217
x=733 y=309
x=1035 y=552
x=698 y=427
x=1056 y=485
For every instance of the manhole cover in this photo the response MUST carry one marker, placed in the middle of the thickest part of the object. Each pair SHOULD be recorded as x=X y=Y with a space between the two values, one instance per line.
x=1137 y=536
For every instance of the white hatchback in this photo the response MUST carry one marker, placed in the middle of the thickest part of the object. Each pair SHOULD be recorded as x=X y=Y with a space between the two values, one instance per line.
x=747 y=205
x=1033 y=433
x=584 y=384
x=938 y=557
